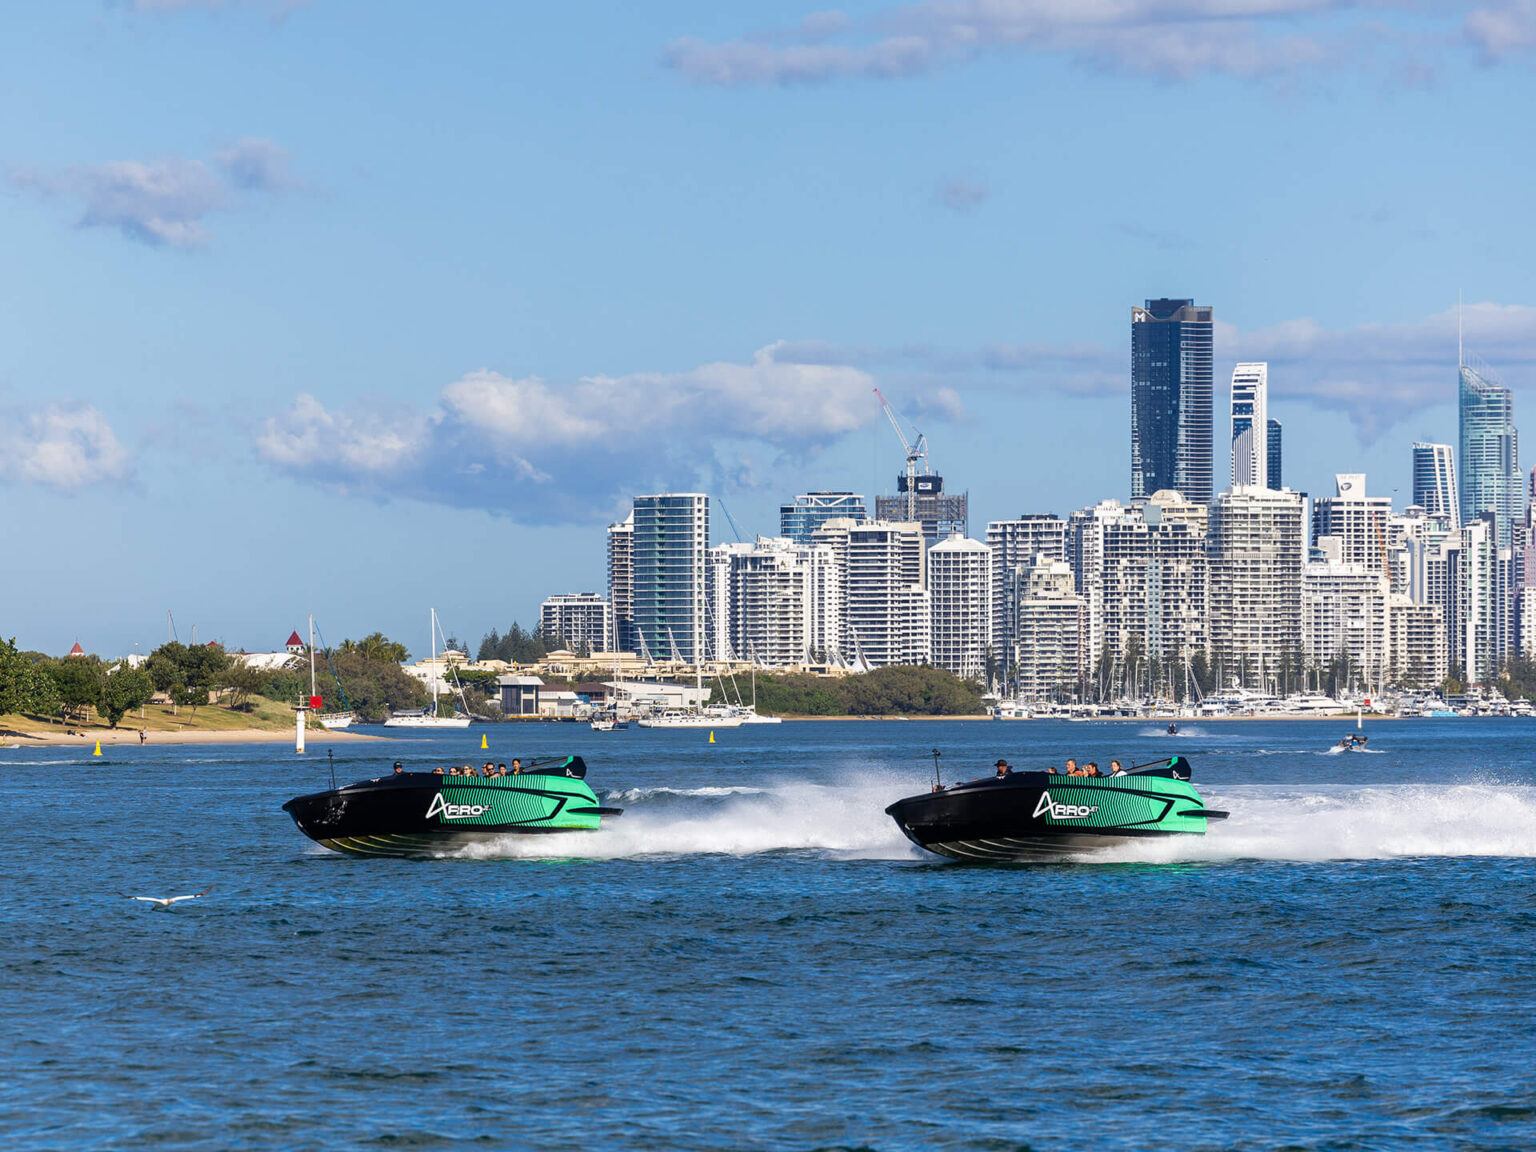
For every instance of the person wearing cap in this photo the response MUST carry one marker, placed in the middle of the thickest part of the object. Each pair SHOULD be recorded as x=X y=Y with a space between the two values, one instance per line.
x=1003 y=769
x=399 y=768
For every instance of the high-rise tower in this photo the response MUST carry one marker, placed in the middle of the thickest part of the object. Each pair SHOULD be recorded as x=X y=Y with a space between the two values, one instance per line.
x=1171 y=399
x=671 y=542
x=1490 y=479
x=1250 y=425
x=1275 y=476
x=1434 y=482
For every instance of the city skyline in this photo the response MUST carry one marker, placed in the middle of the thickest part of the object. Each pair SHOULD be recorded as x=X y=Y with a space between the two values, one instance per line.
x=300 y=300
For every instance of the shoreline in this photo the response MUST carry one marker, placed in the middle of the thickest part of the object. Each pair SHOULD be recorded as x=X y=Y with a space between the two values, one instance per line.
x=86 y=738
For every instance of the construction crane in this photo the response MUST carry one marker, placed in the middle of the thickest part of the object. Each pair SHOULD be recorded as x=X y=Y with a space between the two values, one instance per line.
x=729 y=519
x=916 y=450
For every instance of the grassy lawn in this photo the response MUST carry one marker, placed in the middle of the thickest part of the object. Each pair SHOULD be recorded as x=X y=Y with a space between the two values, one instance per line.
x=264 y=713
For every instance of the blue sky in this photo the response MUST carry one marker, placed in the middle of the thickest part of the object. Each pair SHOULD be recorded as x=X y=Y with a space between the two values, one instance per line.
x=364 y=307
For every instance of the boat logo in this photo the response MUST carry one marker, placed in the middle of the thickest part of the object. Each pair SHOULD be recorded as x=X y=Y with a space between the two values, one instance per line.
x=1058 y=811
x=441 y=807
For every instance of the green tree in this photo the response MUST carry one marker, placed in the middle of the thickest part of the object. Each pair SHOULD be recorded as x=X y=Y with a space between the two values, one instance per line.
x=24 y=686
x=79 y=681
x=124 y=690
x=378 y=648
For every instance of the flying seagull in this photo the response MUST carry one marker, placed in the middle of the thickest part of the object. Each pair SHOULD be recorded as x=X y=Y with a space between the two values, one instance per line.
x=167 y=901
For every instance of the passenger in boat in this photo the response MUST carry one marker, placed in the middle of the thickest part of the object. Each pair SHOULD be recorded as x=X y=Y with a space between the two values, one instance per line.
x=1051 y=771
x=489 y=769
x=1115 y=769
x=501 y=769
x=517 y=766
x=1092 y=769
x=437 y=771
x=399 y=769
x=1003 y=769
x=1072 y=768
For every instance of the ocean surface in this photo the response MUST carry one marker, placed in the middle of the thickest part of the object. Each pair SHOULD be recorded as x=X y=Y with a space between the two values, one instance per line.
x=753 y=957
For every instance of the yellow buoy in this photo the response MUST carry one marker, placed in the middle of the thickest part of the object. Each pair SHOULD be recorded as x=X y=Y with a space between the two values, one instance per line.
x=98 y=749
x=483 y=744
x=711 y=737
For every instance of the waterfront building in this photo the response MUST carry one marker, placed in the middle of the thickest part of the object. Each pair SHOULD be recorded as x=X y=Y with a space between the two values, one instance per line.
x=1250 y=425
x=1152 y=573
x=719 y=615
x=779 y=601
x=1086 y=555
x=1357 y=520
x=1255 y=555
x=960 y=604
x=1050 y=657
x=1473 y=580
x=1015 y=544
x=582 y=620
x=1273 y=464
x=1344 y=615
x=886 y=615
x=799 y=520
x=1489 y=454
x=621 y=583
x=1434 y=482
x=1171 y=387
x=671 y=545
x=940 y=515
x=1416 y=649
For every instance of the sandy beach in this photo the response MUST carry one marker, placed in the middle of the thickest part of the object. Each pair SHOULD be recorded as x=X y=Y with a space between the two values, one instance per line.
x=87 y=737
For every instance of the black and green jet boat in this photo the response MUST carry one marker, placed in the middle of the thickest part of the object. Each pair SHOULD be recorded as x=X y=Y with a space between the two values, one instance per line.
x=1038 y=815
x=427 y=813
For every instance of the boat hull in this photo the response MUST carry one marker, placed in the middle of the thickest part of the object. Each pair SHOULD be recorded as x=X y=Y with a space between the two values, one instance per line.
x=424 y=814
x=1035 y=815
x=427 y=722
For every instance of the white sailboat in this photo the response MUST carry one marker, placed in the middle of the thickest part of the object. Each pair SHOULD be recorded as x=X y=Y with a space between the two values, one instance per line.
x=715 y=716
x=427 y=717
x=749 y=713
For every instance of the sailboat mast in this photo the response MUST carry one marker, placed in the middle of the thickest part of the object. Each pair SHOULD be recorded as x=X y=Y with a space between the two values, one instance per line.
x=311 y=655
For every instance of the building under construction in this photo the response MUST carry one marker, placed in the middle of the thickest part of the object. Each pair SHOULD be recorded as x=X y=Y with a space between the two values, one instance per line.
x=939 y=514
x=920 y=497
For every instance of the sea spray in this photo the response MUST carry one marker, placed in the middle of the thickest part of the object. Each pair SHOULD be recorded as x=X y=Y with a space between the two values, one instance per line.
x=845 y=820
x=1356 y=823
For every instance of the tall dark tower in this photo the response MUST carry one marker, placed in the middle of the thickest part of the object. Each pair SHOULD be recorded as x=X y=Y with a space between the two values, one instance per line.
x=1274 y=455
x=1171 y=400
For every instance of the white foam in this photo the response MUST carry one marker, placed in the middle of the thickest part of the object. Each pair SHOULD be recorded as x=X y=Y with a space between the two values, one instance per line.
x=637 y=795
x=1179 y=735
x=1350 y=823
x=845 y=821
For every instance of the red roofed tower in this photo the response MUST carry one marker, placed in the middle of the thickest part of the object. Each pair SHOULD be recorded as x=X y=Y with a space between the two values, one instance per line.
x=295 y=645
x=77 y=650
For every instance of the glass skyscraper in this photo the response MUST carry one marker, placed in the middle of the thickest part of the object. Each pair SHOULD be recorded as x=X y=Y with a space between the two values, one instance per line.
x=1250 y=425
x=1273 y=463
x=1171 y=434
x=1489 y=478
x=813 y=509
x=1434 y=482
x=670 y=547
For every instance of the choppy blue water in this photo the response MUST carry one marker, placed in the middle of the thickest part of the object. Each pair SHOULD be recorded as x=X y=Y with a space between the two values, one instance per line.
x=753 y=957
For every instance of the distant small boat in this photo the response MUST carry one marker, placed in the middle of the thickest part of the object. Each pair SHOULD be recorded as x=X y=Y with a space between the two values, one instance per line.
x=608 y=724
x=679 y=718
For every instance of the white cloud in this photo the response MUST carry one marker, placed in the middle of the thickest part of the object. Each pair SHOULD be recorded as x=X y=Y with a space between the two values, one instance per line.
x=162 y=203
x=1498 y=30
x=62 y=446
x=544 y=451
x=1166 y=39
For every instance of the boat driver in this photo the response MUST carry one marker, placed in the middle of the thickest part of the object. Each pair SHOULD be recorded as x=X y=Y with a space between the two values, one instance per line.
x=1003 y=769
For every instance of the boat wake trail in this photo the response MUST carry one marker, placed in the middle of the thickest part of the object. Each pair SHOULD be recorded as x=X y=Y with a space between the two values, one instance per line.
x=846 y=820
x=1346 y=823
x=1181 y=734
